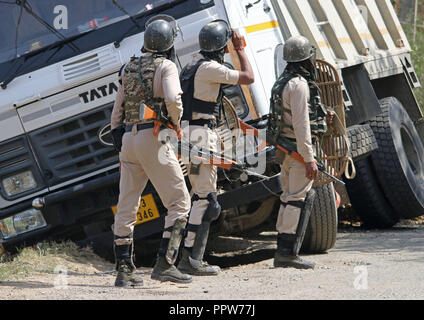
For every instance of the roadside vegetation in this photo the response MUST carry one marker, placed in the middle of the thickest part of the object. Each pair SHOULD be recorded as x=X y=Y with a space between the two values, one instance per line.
x=48 y=258
x=418 y=48
x=418 y=60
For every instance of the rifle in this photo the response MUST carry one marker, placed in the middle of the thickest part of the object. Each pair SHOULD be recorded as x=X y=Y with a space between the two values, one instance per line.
x=203 y=156
x=287 y=149
x=218 y=161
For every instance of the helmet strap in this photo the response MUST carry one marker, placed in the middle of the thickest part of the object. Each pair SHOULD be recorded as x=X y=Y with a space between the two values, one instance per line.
x=170 y=54
x=217 y=56
x=305 y=68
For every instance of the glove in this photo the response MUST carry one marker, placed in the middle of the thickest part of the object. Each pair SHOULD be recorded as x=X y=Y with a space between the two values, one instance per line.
x=117 y=135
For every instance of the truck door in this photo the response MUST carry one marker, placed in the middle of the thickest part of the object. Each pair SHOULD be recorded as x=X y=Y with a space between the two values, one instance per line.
x=258 y=23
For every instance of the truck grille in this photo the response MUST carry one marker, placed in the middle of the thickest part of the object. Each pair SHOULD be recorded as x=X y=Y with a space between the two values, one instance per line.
x=13 y=154
x=90 y=65
x=70 y=148
x=15 y=157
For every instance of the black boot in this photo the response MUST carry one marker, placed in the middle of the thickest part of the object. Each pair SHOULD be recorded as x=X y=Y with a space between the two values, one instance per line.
x=285 y=257
x=192 y=258
x=288 y=245
x=126 y=277
x=201 y=269
x=165 y=271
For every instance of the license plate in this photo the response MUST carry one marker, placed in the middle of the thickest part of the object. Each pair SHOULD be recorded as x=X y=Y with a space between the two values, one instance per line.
x=147 y=210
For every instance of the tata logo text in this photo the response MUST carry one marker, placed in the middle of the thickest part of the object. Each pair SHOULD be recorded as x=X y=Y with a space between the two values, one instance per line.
x=98 y=93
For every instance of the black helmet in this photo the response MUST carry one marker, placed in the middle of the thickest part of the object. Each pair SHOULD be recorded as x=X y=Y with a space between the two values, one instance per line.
x=214 y=36
x=160 y=34
x=298 y=49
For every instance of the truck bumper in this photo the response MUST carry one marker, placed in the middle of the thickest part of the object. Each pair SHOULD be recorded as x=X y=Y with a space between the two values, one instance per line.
x=67 y=211
x=251 y=192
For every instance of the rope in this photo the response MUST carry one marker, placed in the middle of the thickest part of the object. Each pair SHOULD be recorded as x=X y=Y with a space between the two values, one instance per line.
x=348 y=161
x=335 y=148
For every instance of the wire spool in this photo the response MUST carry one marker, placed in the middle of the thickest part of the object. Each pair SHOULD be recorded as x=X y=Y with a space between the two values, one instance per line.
x=334 y=150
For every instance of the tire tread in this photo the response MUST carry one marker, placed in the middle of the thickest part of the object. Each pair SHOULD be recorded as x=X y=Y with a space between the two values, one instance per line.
x=388 y=167
x=321 y=233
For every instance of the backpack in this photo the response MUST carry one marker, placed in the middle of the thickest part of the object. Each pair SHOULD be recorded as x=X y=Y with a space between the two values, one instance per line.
x=138 y=89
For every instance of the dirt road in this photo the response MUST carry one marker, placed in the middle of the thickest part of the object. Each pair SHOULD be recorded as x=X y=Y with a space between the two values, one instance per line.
x=363 y=265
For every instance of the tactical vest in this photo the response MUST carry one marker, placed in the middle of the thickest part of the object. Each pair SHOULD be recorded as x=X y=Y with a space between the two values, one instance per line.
x=276 y=123
x=138 y=89
x=190 y=103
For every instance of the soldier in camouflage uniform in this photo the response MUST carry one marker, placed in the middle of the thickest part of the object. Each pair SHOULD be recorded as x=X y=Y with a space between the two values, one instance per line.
x=298 y=117
x=151 y=80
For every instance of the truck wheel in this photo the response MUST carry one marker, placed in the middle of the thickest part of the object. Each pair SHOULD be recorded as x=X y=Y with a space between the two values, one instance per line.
x=322 y=228
x=362 y=141
x=399 y=161
x=367 y=198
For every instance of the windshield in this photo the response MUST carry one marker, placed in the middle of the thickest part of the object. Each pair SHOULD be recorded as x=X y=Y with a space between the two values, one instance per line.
x=52 y=20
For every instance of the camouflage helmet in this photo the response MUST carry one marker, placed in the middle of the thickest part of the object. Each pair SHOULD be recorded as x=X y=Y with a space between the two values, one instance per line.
x=160 y=34
x=297 y=49
x=214 y=36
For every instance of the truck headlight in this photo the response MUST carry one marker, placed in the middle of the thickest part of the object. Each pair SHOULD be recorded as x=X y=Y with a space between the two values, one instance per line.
x=19 y=183
x=22 y=222
x=7 y=229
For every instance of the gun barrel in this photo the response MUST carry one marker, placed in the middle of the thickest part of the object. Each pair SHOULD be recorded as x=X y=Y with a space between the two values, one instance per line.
x=332 y=177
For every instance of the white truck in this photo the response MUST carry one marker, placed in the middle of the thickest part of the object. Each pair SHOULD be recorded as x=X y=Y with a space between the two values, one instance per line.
x=59 y=63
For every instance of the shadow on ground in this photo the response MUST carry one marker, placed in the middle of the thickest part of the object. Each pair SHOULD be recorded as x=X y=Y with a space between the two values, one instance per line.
x=229 y=261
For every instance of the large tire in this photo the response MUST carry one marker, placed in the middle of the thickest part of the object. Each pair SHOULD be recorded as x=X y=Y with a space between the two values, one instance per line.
x=362 y=141
x=367 y=198
x=321 y=233
x=399 y=161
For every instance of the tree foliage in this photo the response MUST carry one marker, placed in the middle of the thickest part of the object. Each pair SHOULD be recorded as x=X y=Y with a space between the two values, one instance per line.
x=417 y=45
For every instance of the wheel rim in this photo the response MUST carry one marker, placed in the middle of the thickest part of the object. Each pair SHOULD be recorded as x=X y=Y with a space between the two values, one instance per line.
x=411 y=151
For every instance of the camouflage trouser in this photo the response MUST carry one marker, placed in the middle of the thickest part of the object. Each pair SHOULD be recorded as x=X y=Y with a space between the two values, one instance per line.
x=140 y=163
